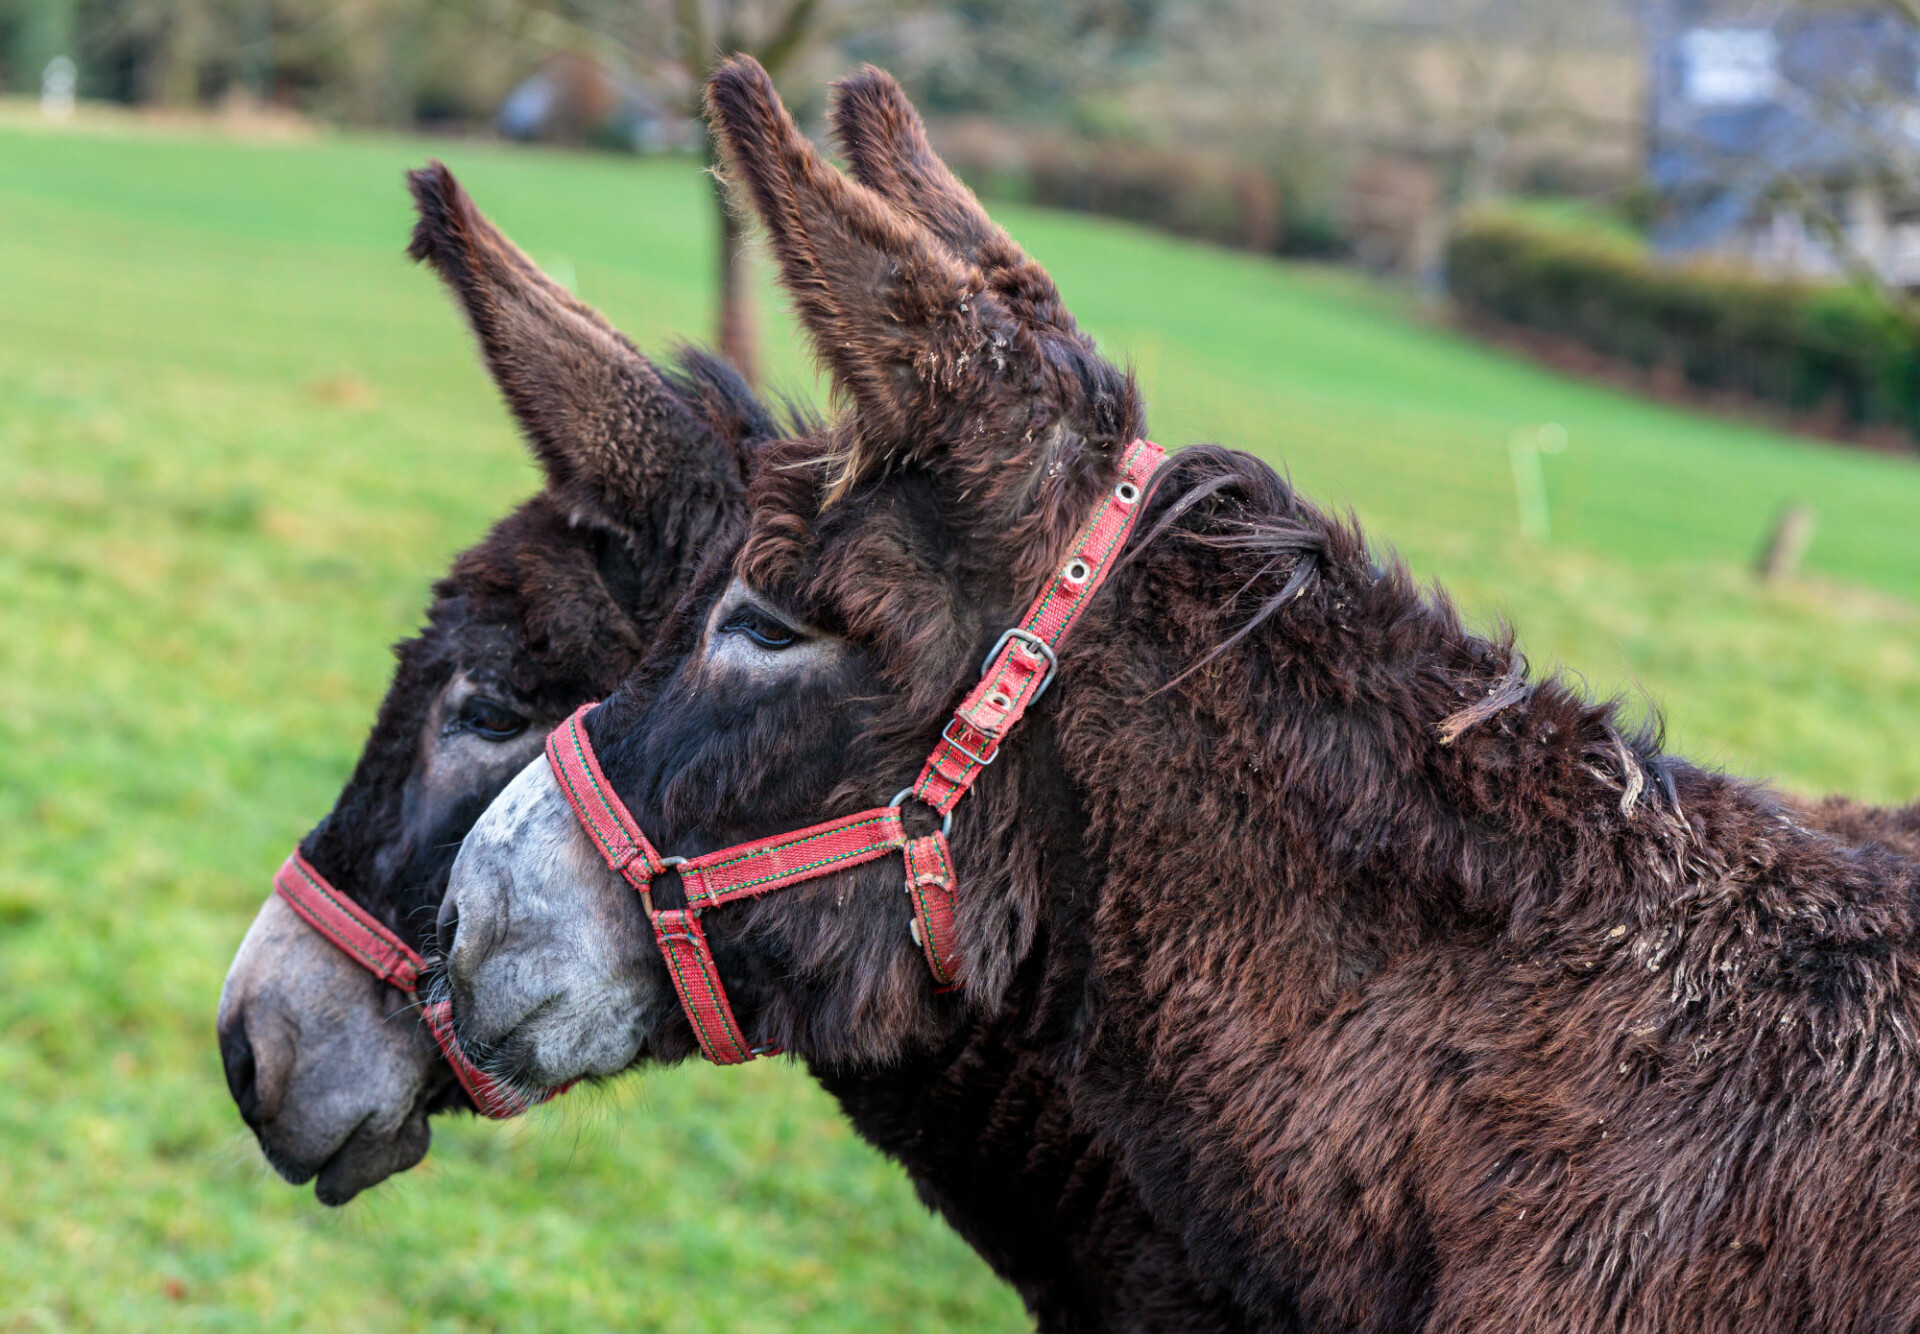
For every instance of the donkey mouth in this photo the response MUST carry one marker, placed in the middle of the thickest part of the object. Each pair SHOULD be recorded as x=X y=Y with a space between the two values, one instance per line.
x=368 y=1157
x=291 y=1170
x=511 y=1060
x=371 y=1150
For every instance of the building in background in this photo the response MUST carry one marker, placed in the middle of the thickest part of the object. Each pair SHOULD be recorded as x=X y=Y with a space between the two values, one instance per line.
x=1787 y=137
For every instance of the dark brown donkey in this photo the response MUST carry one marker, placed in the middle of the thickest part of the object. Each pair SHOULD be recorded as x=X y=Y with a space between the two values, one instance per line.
x=1410 y=992
x=549 y=610
x=645 y=467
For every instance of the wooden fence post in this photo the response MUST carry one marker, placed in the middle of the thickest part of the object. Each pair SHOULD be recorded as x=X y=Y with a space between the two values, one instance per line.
x=1792 y=531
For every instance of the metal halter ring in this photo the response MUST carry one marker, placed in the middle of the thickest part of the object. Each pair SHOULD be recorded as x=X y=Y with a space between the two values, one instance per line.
x=946 y=821
x=1126 y=493
x=1084 y=572
x=646 y=895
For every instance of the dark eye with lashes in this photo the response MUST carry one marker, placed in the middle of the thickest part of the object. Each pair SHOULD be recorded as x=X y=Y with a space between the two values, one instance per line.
x=761 y=628
x=489 y=720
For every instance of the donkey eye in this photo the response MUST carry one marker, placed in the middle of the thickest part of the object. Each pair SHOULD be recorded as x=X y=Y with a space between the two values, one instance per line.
x=761 y=628
x=489 y=720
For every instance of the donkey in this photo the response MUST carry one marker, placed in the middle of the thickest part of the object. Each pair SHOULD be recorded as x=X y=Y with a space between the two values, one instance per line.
x=549 y=610
x=644 y=466
x=1411 y=992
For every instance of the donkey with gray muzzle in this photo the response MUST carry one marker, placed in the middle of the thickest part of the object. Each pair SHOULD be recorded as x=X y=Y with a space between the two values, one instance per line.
x=646 y=467
x=1400 y=1011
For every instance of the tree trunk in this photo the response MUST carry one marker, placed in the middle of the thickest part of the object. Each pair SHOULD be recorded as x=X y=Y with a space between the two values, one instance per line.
x=736 y=293
x=179 y=74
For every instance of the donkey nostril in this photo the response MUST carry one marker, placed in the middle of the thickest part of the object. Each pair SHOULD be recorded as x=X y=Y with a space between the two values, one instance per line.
x=447 y=925
x=236 y=1053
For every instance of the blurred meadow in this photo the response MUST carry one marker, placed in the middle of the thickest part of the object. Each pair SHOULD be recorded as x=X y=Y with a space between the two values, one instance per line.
x=240 y=435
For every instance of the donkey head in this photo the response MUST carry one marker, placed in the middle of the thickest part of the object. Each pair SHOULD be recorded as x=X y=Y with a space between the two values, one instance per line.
x=810 y=669
x=331 y=1069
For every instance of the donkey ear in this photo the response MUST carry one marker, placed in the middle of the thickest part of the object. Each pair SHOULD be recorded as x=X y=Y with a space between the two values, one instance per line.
x=899 y=320
x=887 y=151
x=616 y=439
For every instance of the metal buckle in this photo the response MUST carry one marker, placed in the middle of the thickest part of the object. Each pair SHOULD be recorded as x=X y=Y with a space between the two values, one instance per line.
x=946 y=821
x=1040 y=647
x=1032 y=641
x=946 y=735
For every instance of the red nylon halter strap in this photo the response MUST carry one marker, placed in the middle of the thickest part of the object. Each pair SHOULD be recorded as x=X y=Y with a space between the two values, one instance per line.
x=625 y=849
x=1015 y=674
x=356 y=932
x=1022 y=664
x=361 y=937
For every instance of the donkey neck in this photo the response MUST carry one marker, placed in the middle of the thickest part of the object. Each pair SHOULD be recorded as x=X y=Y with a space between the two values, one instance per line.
x=1378 y=764
x=1338 y=892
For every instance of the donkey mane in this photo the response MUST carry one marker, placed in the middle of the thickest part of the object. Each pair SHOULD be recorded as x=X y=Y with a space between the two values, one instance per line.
x=1271 y=595
x=1416 y=753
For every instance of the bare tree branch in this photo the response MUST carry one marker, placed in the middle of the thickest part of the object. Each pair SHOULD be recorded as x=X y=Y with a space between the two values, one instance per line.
x=790 y=37
x=690 y=17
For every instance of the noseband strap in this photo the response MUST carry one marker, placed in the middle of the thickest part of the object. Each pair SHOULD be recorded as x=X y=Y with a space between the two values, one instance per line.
x=355 y=931
x=1016 y=673
x=361 y=936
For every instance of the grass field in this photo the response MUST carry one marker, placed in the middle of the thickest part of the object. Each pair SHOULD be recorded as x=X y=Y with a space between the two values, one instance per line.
x=239 y=434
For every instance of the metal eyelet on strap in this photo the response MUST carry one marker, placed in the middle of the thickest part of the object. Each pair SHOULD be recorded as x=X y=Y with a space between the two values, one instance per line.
x=946 y=821
x=1126 y=493
x=1077 y=572
x=998 y=700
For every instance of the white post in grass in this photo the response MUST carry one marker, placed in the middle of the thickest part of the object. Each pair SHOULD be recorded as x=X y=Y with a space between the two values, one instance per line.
x=57 y=85
x=1524 y=449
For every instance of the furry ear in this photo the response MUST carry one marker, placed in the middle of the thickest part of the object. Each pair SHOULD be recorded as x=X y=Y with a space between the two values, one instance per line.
x=887 y=151
x=619 y=441
x=904 y=326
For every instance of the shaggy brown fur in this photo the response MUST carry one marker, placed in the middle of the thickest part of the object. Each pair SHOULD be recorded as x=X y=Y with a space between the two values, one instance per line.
x=1897 y=830
x=1401 y=1012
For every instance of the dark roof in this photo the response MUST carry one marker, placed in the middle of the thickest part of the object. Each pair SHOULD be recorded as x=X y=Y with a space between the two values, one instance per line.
x=1736 y=101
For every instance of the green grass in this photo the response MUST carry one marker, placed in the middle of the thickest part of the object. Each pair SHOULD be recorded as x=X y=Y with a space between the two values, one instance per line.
x=239 y=434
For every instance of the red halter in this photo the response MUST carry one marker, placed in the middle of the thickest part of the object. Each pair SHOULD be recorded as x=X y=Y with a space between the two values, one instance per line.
x=361 y=937
x=1014 y=675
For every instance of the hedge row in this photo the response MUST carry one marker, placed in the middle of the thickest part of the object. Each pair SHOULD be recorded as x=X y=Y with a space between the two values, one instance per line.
x=1800 y=345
